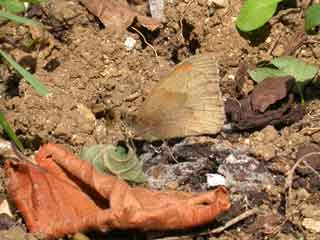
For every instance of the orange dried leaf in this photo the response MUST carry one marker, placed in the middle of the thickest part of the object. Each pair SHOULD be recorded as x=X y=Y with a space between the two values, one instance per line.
x=66 y=195
x=117 y=14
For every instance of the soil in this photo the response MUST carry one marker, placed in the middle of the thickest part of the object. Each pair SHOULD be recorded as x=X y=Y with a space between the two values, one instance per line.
x=94 y=78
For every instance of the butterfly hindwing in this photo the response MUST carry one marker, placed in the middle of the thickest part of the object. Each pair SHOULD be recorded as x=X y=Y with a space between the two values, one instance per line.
x=187 y=102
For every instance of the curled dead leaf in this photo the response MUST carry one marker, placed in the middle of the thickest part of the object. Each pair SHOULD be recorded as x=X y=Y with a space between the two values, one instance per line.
x=270 y=91
x=64 y=194
x=270 y=103
x=117 y=14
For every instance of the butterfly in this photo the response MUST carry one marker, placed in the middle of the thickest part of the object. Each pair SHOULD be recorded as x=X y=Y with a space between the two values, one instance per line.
x=185 y=103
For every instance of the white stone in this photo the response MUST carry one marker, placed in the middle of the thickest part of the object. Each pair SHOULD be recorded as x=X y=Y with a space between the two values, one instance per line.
x=214 y=180
x=130 y=43
x=5 y=208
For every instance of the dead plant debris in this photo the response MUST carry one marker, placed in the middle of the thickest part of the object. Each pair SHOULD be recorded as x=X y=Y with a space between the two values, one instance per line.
x=271 y=102
x=78 y=198
x=118 y=14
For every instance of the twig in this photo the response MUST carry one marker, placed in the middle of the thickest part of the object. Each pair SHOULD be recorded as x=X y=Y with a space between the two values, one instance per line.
x=228 y=224
x=170 y=152
x=273 y=46
x=310 y=130
x=146 y=42
x=295 y=43
x=235 y=220
x=311 y=169
x=182 y=16
x=290 y=175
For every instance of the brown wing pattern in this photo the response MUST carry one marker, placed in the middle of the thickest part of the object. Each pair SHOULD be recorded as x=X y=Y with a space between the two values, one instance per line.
x=187 y=102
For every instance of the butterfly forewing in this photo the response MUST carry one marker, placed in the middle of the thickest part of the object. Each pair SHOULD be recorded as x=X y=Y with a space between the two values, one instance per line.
x=187 y=102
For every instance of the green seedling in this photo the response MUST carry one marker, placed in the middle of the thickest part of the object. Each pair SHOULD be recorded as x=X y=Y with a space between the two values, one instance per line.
x=38 y=86
x=312 y=17
x=259 y=74
x=116 y=160
x=254 y=14
x=16 y=6
x=8 y=130
x=301 y=71
x=35 y=83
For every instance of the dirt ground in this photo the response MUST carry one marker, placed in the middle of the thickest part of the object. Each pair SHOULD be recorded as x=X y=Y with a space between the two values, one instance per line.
x=94 y=78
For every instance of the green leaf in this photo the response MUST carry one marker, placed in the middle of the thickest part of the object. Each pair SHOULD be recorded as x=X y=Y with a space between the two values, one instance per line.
x=312 y=17
x=117 y=160
x=300 y=70
x=255 y=13
x=18 y=19
x=38 y=86
x=259 y=74
x=6 y=126
x=94 y=155
x=13 y=6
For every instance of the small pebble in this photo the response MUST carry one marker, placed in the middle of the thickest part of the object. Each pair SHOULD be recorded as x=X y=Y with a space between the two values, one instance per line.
x=278 y=51
x=130 y=43
x=316 y=137
x=270 y=134
x=5 y=208
x=80 y=236
x=311 y=224
x=214 y=180
x=265 y=150
x=173 y=186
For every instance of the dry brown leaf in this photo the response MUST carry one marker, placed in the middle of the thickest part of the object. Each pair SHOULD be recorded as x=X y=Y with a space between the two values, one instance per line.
x=65 y=195
x=270 y=91
x=117 y=14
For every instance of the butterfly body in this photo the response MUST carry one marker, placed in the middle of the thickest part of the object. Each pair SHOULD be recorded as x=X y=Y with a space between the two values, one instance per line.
x=187 y=102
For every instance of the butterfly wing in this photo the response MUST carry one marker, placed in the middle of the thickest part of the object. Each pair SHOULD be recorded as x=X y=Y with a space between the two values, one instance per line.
x=187 y=102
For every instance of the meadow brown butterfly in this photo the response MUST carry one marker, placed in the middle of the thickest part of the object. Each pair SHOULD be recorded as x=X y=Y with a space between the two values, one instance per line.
x=187 y=102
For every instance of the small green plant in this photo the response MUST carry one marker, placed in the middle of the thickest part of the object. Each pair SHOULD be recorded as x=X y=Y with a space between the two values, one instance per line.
x=8 y=130
x=115 y=159
x=284 y=66
x=312 y=17
x=13 y=6
x=255 y=13
x=37 y=85
x=16 y=6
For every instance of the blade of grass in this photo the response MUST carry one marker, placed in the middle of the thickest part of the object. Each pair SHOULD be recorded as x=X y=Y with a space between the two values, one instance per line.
x=38 y=86
x=18 y=19
x=6 y=126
